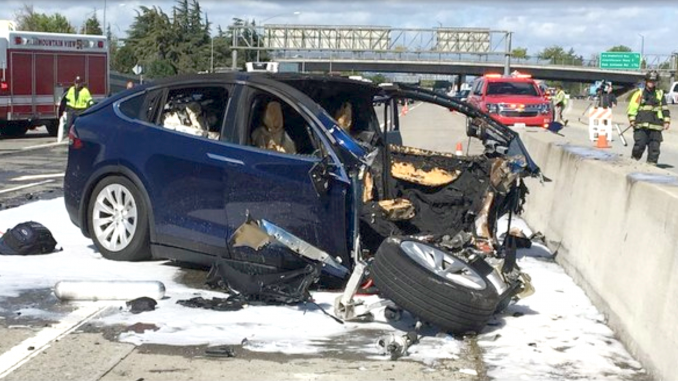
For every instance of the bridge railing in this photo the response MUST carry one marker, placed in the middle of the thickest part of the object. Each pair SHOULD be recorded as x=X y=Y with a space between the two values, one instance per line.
x=444 y=44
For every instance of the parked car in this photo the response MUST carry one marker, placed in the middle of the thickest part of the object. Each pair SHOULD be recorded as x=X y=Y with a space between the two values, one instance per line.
x=512 y=100
x=461 y=95
x=268 y=174
x=672 y=94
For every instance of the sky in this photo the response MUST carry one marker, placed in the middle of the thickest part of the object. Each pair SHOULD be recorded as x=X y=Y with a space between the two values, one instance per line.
x=554 y=334
x=589 y=27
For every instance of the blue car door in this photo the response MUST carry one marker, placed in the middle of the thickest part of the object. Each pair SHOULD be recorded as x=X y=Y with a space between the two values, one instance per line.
x=275 y=185
x=185 y=183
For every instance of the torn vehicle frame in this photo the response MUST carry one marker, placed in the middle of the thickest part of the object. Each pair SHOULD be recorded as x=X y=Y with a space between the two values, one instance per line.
x=497 y=139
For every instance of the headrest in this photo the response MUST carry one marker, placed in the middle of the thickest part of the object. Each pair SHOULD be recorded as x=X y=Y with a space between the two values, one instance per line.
x=344 y=116
x=273 y=117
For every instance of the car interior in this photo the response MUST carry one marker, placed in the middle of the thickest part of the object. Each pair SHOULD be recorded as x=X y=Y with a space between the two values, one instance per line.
x=275 y=125
x=196 y=110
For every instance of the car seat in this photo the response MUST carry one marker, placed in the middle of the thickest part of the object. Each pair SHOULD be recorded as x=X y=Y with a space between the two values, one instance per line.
x=271 y=134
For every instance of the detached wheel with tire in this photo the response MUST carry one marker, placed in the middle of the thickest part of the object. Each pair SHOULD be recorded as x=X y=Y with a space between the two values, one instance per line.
x=118 y=220
x=434 y=285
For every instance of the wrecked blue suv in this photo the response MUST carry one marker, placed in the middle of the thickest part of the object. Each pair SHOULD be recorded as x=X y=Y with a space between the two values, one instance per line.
x=272 y=174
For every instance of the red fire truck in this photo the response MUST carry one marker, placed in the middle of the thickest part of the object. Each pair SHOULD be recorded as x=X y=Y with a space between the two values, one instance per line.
x=36 y=70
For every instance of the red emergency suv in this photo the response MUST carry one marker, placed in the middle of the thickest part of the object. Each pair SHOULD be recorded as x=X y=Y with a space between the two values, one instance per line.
x=512 y=100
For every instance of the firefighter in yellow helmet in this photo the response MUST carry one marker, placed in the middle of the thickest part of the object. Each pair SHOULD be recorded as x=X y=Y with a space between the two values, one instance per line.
x=78 y=99
x=649 y=115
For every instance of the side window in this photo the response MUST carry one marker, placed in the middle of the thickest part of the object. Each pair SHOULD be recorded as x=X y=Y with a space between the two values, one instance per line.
x=478 y=88
x=275 y=125
x=196 y=110
x=143 y=107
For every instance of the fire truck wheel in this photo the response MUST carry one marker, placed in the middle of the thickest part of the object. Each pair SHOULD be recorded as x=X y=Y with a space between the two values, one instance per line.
x=14 y=129
x=436 y=286
x=52 y=127
x=118 y=220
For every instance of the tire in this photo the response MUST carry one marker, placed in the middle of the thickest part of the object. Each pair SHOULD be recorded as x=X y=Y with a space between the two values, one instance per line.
x=116 y=198
x=14 y=129
x=459 y=306
x=52 y=127
x=471 y=130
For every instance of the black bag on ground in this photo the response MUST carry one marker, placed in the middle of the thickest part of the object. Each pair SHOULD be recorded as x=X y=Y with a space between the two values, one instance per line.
x=27 y=238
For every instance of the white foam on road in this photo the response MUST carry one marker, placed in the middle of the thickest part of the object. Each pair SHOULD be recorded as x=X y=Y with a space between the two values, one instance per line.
x=37 y=177
x=288 y=329
x=554 y=334
x=20 y=187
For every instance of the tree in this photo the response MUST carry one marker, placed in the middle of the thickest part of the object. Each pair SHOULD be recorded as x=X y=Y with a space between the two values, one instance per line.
x=520 y=53
x=27 y=19
x=160 y=69
x=124 y=59
x=557 y=55
x=378 y=78
x=620 y=48
x=92 y=26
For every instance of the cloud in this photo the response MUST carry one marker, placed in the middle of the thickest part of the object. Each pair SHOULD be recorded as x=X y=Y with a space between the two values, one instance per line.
x=588 y=27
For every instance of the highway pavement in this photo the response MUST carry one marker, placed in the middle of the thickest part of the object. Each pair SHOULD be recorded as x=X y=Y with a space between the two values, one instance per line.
x=526 y=342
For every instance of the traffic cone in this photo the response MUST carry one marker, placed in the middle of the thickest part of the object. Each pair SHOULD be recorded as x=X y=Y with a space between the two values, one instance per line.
x=602 y=141
x=459 y=151
x=406 y=109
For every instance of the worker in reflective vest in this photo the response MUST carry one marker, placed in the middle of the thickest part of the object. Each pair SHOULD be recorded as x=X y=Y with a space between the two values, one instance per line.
x=560 y=101
x=649 y=115
x=78 y=99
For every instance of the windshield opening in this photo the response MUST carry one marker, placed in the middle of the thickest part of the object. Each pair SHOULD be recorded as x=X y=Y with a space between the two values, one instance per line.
x=511 y=88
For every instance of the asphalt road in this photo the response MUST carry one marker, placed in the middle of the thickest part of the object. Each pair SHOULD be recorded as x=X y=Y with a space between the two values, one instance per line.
x=91 y=353
x=32 y=168
x=576 y=133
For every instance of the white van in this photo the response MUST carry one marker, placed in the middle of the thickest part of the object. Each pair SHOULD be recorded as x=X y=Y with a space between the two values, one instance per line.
x=672 y=95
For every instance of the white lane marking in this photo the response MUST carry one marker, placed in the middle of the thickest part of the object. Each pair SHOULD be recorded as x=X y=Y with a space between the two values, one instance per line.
x=21 y=353
x=20 y=187
x=37 y=177
x=45 y=145
x=417 y=105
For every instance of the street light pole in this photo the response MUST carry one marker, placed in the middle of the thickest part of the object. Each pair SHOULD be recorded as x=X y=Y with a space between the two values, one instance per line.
x=642 y=49
x=212 y=57
x=104 y=28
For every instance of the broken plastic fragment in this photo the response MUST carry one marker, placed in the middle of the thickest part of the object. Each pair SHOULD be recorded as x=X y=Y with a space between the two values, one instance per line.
x=399 y=209
x=142 y=304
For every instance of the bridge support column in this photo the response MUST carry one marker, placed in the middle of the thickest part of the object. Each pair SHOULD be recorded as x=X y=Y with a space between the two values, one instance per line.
x=460 y=79
x=507 y=64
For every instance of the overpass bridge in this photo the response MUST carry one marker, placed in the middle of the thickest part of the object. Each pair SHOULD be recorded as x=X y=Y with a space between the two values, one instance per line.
x=443 y=50
x=462 y=68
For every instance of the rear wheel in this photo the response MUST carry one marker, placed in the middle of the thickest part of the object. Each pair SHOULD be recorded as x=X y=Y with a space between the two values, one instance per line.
x=118 y=220
x=52 y=127
x=434 y=285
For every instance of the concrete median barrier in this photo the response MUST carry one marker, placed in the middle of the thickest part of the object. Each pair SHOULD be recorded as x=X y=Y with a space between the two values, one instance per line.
x=615 y=224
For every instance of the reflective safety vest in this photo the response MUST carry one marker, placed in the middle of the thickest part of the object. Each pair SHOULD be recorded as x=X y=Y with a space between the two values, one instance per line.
x=560 y=98
x=80 y=100
x=648 y=111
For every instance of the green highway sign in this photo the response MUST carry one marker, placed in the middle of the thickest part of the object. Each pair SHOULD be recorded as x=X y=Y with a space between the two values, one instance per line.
x=620 y=60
